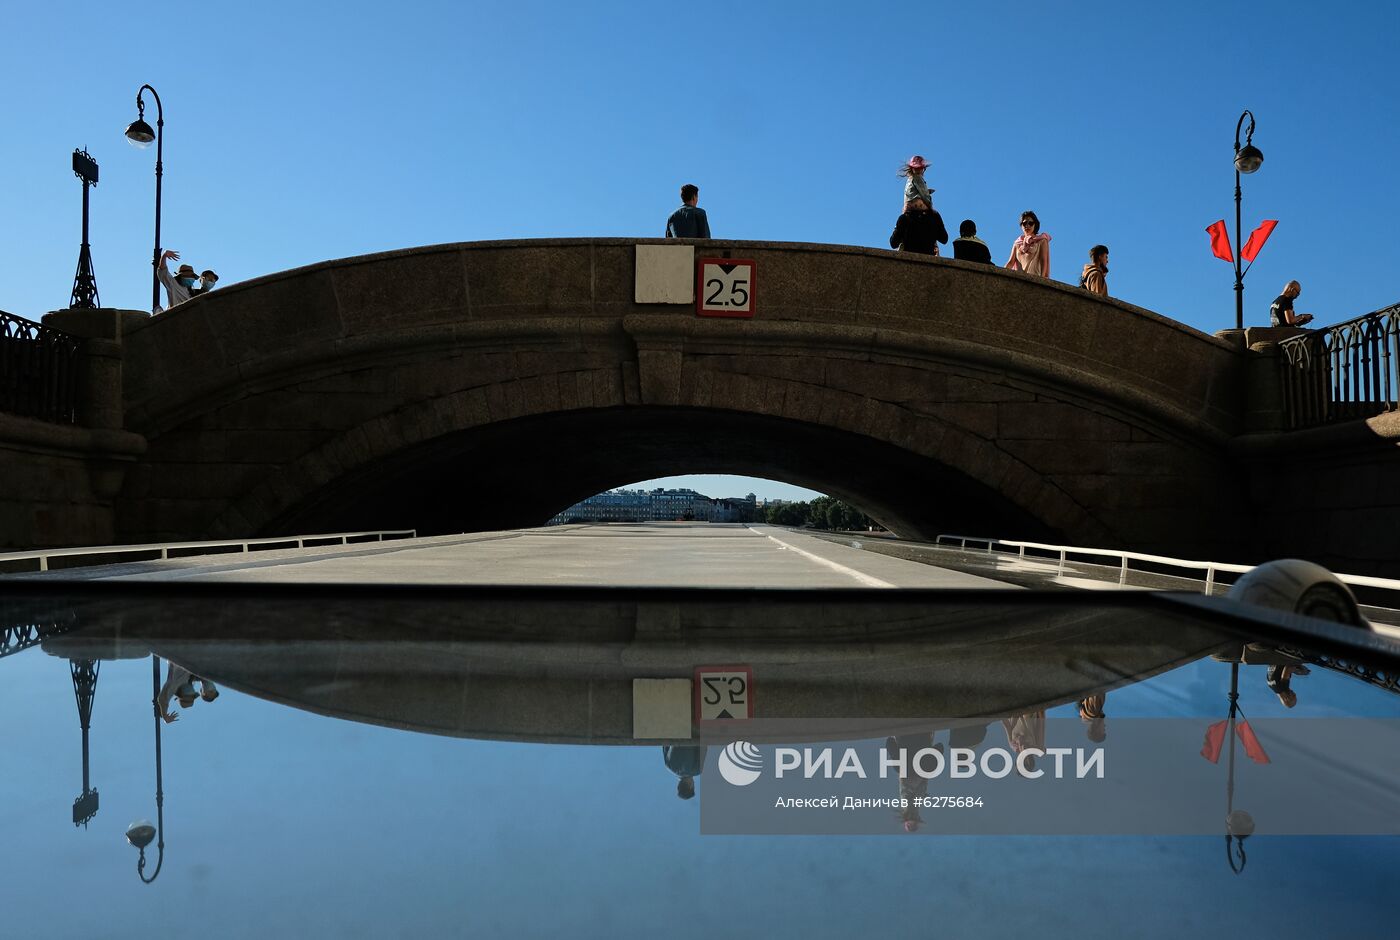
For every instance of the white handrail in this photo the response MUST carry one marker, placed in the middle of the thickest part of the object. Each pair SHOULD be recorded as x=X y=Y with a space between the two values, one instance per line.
x=164 y=548
x=1209 y=567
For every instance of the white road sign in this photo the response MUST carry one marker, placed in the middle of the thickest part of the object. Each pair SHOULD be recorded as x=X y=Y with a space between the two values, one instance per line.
x=725 y=287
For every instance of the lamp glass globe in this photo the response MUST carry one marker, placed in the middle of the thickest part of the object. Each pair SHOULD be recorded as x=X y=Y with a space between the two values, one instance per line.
x=139 y=134
x=1248 y=159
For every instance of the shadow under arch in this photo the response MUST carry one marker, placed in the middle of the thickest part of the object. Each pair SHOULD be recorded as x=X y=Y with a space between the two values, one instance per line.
x=521 y=472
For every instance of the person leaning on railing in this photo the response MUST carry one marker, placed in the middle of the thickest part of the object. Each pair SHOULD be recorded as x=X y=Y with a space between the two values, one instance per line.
x=1281 y=310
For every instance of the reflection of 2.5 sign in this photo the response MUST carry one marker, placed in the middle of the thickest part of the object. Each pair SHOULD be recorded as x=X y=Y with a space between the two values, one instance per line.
x=726 y=288
x=723 y=693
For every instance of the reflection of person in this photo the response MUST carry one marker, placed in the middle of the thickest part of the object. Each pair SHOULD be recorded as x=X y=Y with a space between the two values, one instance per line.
x=1281 y=310
x=1031 y=250
x=967 y=737
x=685 y=761
x=1024 y=732
x=1091 y=713
x=179 y=684
x=912 y=786
x=1280 y=680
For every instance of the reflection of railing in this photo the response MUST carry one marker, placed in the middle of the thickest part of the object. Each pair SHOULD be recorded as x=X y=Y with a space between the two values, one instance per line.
x=1380 y=678
x=38 y=368
x=23 y=626
x=161 y=552
x=1343 y=372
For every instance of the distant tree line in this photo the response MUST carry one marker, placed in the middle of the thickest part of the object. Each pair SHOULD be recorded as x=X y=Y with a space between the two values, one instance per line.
x=824 y=512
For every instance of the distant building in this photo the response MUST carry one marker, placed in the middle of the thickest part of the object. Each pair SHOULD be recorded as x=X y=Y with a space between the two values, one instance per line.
x=735 y=509
x=658 y=505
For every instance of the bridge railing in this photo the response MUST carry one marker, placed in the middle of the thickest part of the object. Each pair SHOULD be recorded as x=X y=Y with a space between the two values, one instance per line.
x=1205 y=571
x=38 y=370
x=94 y=555
x=1068 y=553
x=1343 y=372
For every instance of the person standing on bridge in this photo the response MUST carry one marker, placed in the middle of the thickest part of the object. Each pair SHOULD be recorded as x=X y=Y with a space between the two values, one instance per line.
x=1094 y=277
x=689 y=221
x=1031 y=251
x=179 y=284
x=207 y=280
x=1281 y=310
x=968 y=247
x=914 y=185
x=919 y=230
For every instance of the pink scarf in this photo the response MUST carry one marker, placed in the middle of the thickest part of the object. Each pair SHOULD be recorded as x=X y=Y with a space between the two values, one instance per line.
x=1034 y=248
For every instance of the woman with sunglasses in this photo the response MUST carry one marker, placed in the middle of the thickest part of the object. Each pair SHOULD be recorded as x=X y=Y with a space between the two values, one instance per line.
x=1031 y=251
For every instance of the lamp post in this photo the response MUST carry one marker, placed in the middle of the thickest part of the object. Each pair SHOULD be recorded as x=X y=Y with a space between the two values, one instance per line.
x=1247 y=160
x=85 y=281
x=1239 y=825
x=141 y=832
x=141 y=135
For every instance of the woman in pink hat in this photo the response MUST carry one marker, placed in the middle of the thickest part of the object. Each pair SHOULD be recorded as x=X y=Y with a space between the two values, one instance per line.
x=914 y=185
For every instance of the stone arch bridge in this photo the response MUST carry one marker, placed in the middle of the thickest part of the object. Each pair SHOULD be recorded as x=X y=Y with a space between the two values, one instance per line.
x=491 y=385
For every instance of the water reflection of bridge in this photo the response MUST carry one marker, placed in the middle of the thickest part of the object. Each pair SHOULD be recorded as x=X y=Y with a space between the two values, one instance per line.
x=560 y=666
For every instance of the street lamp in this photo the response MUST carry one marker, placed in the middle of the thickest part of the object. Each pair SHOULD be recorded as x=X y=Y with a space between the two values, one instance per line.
x=1247 y=160
x=141 y=135
x=140 y=833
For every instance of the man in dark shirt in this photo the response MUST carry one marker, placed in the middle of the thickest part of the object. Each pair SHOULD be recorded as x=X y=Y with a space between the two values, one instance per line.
x=686 y=761
x=919 y=230
x=689 y=221
x=968 y=247
x=1281 y=310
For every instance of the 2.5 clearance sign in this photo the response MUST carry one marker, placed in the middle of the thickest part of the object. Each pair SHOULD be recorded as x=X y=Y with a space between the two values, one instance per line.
x=725 y=287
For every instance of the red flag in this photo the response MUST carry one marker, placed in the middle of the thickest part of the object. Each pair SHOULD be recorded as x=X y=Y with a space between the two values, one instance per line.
x=1220 y=241
x=1257 y=238
x=1215 y=739
x=1252 y=747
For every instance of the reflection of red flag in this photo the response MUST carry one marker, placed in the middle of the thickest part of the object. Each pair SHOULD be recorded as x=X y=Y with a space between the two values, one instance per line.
x=1220 y=241
x=1257 y=238
x=1215 y=738
x=1252 y=747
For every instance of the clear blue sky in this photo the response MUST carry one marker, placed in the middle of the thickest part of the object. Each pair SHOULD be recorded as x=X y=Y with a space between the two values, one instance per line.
x=295 y=135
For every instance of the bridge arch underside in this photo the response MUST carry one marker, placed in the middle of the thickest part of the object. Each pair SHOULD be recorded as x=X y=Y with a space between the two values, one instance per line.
x=520 y=473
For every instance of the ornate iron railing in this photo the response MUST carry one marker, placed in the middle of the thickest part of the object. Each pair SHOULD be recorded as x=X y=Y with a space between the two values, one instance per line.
x=38 y=370
x=1343 y=372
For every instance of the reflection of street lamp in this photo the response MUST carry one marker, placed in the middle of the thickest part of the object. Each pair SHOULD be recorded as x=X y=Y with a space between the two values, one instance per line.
x=141 y=135
x=84 y=672
x=1247 y=160
x=141 y=832
x=1238 y=823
